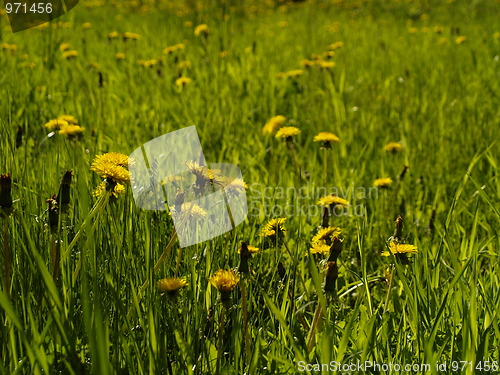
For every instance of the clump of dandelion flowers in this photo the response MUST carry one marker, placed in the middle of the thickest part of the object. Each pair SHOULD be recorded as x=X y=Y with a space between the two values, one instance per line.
x=112 y=167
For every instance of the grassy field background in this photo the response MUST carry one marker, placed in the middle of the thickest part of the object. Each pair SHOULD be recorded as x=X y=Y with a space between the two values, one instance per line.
x=422 y=73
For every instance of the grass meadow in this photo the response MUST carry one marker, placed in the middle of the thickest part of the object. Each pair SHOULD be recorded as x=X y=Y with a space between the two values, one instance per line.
x=80 y=267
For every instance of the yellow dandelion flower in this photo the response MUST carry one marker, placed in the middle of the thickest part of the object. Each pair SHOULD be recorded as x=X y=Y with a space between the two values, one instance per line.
x=273 y=124
x=320 y=247
x=148 y=63
x=182 y=81
x=294 y=73
x=412 y=30
x=251 y=249
x=326 y=234
x=68 y=55
x=287 y=132
x=171 y=285
x=114 y=172
x=189 y=209
x=184 y=64
x=86 y=25
x=325 y=64
x=113 y=158
x=120 y=56
x=56 y=124
x=382 y=182
x=224 y=280
x=274 y=227
x=112 y=166
x=393 y=147
x=8 y=47
x=202 y=173
x=335 y=46
x=68 y=118
x=332 y=200
x=71 y=130
x=64 y=47
x=201 y=30
x=398 y=248
x=232 y=186
x=130 y=36
x=329 y=54
x=113 y=35
x=118 y=189
x=307 y=63
x=326 y=138
x=460 y=39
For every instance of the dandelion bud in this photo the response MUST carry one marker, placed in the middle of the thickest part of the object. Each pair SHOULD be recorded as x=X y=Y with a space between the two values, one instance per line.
x=281 y=270
x=403 y=173
x=53 y=213
x=245 y=255
x=431 y=225
x=332 y=274
x=63 y=197
x=326 y=217
x=19 y=137
x=179 y=200
x=335 y=249
x=5 y=191
x=398 y=233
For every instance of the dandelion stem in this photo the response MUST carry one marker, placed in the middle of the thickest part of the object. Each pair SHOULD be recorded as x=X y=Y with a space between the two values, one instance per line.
x=6 y=256
x=54 y=249
x=327 y=154
x=245 y=320
x=314 y=326
x=291 y=147
x=389 y=289
x=219 y=340
x=178 y=263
